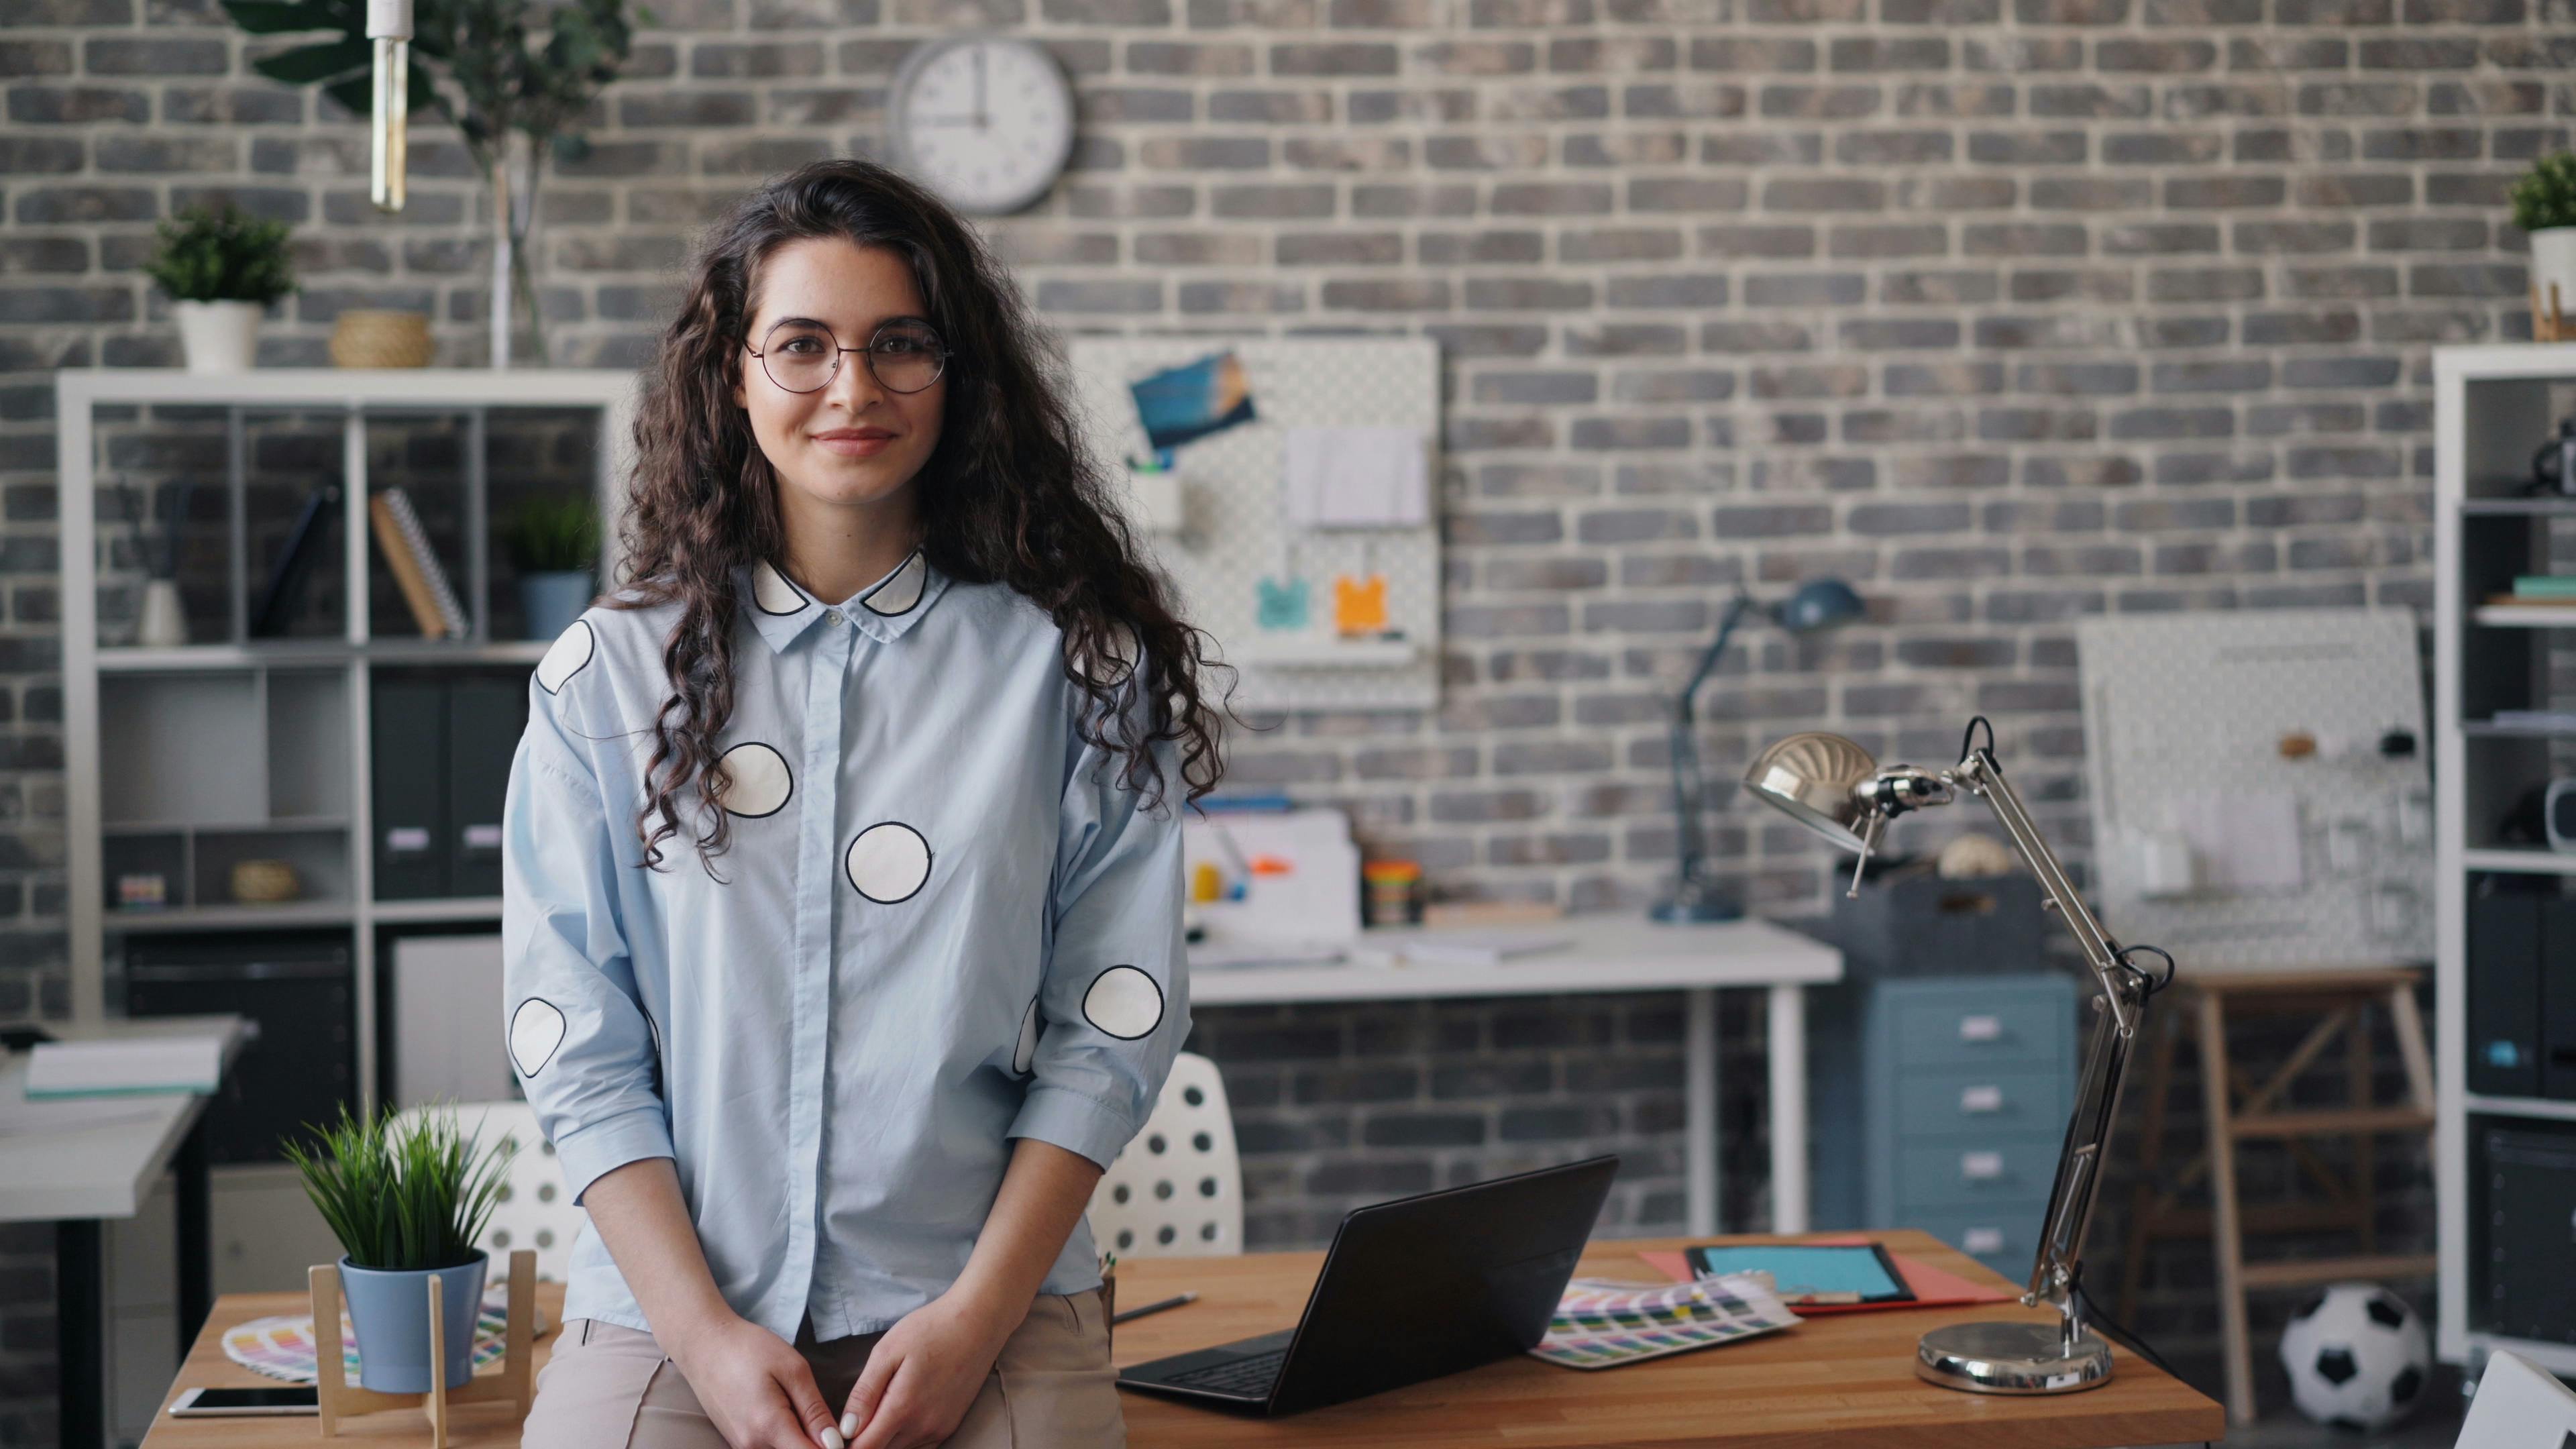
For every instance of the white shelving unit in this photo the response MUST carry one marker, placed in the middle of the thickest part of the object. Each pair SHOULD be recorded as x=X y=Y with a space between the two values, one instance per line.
x=2492 y=407
x=292 y=733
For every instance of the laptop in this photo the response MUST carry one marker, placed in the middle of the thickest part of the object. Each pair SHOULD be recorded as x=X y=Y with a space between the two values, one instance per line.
x=1411 y=1290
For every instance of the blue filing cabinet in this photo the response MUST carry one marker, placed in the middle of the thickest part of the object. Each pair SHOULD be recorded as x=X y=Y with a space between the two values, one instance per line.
x=1940 y=1103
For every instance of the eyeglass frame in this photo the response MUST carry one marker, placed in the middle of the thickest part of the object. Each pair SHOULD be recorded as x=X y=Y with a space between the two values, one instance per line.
x=939 y=343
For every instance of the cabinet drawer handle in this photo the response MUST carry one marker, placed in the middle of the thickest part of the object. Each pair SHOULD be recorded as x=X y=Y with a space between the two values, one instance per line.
x=1982 y=1240
x=1981 y=1099
x=1980 y=1166
x=1981 y=1028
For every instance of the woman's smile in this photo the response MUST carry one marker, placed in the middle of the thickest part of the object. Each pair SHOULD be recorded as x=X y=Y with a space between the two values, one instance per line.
x=861 y=442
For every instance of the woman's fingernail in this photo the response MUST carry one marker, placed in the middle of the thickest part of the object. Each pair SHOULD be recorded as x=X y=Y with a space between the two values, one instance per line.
x=849 y=1426
x=831 y=1438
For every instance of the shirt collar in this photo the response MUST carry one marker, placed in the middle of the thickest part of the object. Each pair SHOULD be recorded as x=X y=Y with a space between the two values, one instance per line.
x=882 y=610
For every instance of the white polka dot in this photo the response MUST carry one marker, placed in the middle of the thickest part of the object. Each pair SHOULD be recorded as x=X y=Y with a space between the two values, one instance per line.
x=757 y=780
x=571 y=650
x=1124 y=1002
x=1027 y=1051
x=536 y=1029
x=888 y=862
x=901 y=590
x=771 y=591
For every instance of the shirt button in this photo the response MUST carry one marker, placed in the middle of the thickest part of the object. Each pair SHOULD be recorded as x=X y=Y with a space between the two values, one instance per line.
x=831 y=616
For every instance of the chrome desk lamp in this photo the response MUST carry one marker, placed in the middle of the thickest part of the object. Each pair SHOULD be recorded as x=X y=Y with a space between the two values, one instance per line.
x=389 y=114
x=1834 y=788
x=1817 y=606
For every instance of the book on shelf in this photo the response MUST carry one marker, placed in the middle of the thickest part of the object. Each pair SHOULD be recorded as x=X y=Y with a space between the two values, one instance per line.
x=284 y=597
x=176 y=1063
x=2545 y=588
x=415 y=565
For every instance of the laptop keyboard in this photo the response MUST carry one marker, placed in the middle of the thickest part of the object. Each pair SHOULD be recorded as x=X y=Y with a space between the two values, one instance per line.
x=1250 y=1377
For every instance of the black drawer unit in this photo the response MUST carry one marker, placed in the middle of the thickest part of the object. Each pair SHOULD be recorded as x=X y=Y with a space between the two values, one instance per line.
x=299 y=986
x=2522 y=1193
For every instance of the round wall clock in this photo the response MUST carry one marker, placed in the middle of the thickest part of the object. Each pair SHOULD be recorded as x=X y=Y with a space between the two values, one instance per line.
x=985 y=121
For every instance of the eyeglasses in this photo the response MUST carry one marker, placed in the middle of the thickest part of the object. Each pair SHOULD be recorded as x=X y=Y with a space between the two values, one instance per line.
x=903 y=355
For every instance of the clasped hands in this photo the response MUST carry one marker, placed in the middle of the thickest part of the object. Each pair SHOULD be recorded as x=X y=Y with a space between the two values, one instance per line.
x=919 y=1381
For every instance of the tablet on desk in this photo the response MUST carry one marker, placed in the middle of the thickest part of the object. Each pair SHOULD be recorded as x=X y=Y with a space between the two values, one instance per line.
x=1812 y=1272
x=236 y=1402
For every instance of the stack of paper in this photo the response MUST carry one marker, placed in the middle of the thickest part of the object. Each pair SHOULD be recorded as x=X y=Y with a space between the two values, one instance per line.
x=125 y=1065
x=1600 y=1323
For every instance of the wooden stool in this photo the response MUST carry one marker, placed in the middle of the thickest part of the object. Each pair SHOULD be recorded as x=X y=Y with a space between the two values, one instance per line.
x=2238 y=1109
x=337 y=1398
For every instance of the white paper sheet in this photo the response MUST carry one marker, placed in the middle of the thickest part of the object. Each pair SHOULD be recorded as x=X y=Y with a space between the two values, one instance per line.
x=2245 y=841
x=1356 y=478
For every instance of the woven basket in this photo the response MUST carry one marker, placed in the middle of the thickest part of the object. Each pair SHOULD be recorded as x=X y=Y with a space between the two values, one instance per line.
x=367 y=338
x=262 y=882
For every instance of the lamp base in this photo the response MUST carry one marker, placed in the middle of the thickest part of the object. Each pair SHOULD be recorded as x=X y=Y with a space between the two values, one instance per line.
x=2011 y=1358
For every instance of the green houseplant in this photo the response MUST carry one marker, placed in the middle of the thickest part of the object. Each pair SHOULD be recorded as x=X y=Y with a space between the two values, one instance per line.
x=221 y=267
x=2544 y=206
x=515 y=77
x=406 y=1196
x=553 y=539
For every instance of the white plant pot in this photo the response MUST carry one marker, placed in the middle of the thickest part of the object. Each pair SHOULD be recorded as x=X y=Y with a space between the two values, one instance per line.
x=218 y=336
x=2553 y=263
x=165 y=620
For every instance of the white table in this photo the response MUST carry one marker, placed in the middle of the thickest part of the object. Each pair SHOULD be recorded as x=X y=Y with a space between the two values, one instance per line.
x=81 y=1160
x=1618 y=953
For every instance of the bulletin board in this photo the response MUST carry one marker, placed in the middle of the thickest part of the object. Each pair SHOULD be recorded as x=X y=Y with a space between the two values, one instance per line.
x=1234 y=531
x=2320 y=854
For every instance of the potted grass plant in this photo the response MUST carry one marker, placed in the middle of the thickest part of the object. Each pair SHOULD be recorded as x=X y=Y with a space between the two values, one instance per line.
x=553 y=540
x=2544 y=206
x=406 y=1196
x=221 y=268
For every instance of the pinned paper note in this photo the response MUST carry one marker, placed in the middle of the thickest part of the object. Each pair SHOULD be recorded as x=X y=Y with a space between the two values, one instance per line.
x=2243 y=840
x=1373 y=477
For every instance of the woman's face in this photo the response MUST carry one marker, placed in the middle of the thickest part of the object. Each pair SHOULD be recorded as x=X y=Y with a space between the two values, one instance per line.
x=854 y=441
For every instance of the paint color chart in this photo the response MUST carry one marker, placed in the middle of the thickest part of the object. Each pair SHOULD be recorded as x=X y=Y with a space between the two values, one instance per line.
x=1601 y=1323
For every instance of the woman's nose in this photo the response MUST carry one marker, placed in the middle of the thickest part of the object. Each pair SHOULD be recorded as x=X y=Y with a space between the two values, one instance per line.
x=854 y=386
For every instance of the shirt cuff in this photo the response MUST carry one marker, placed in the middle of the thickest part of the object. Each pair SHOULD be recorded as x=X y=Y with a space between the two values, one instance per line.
x=1074 y=1122
x=590 y=1152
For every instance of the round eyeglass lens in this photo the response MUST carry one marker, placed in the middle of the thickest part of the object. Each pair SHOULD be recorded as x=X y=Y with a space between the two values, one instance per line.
x=906 y=356
x=799 y=356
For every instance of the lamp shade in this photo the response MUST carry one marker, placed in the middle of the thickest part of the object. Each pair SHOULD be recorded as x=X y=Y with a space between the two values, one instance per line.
x=1811 y=778
x=1821 y=604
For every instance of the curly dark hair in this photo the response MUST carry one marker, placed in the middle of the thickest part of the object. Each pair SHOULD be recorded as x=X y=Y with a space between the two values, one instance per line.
x=1009 y=494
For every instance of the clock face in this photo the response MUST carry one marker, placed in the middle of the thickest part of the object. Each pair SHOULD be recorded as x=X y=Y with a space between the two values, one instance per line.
x=986 y=123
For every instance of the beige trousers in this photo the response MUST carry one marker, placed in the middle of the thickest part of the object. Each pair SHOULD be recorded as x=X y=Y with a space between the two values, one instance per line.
x=610 y=1387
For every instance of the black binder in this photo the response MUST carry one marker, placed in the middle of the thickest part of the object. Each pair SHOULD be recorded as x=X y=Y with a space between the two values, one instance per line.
x=2556 y=973
x=412 y=829
x=486 y=714
x=2504 y=994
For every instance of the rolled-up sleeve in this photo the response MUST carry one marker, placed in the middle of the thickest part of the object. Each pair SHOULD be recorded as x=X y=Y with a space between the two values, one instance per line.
x=1114 y=1001
x=579 y=1040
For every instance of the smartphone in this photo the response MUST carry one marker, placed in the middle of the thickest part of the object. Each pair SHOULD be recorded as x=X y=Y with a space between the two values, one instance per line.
x=281 y=1399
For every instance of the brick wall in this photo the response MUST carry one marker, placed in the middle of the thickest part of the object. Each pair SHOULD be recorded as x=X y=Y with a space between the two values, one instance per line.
x=2008 y=310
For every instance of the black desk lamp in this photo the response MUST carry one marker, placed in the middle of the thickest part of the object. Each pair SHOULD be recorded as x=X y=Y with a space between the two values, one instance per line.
x=1837 y=790
x=1823 y=604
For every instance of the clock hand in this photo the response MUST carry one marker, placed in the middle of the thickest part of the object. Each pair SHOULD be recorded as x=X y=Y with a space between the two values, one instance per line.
x=980 y=118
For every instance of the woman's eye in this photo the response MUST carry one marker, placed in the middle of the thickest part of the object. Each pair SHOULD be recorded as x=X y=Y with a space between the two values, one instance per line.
x=801 y=346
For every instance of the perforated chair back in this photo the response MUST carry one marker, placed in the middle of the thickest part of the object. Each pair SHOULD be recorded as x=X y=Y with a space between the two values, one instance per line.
x=534 y=1210
x=2518 y=1407
x=1177 y=1190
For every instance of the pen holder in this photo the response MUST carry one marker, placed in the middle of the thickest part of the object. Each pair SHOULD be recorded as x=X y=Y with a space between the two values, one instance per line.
x=336 y=1398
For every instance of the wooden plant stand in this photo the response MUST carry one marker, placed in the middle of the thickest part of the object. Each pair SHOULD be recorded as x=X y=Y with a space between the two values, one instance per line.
x=339 y=1399
x=2239 y=1110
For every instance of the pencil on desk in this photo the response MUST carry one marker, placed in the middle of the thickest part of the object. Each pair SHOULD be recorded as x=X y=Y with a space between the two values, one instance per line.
x=1141 y=1309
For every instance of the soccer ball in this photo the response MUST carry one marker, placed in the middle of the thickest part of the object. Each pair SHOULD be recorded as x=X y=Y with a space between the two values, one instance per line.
x=2357 y=1357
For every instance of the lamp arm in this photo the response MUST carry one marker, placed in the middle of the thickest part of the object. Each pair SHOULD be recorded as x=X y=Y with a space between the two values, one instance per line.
x=1690 y=790
x=2121 y=1013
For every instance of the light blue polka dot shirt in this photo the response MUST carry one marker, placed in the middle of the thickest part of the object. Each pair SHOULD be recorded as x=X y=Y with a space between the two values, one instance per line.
x=941 y=924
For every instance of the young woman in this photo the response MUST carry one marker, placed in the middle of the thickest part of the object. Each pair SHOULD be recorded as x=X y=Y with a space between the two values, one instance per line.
x=835 y=1091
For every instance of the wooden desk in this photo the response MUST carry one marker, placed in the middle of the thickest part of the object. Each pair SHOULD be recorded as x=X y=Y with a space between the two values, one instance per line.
x=1844 y=1380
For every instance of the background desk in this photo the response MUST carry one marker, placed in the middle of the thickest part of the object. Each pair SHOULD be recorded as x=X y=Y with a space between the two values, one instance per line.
x=1831 y=1381
x=75 y=1176
x=1621 y=953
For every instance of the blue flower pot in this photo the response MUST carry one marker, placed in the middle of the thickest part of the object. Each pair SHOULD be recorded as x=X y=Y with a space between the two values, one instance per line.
x=389 y=1309
x=551 y=601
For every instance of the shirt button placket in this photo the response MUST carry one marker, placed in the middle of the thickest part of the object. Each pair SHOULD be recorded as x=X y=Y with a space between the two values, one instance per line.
x=817 y=879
